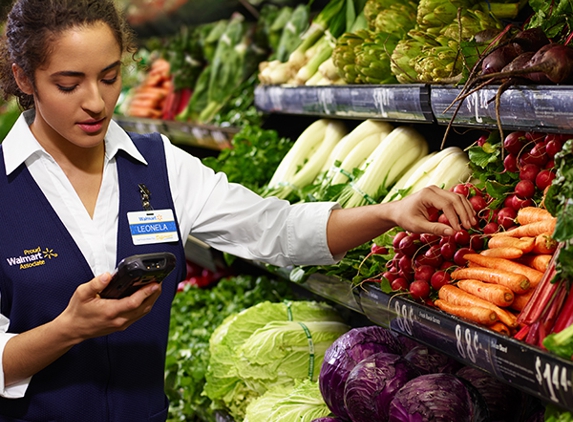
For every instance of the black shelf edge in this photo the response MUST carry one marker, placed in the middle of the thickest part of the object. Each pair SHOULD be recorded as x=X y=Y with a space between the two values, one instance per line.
x=525 y=367
x=203 y=136
x=404 y=103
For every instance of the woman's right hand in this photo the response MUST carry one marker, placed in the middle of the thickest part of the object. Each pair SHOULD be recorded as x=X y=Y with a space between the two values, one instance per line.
x=88 y=315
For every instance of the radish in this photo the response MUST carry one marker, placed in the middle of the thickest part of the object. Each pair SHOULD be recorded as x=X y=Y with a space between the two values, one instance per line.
x=462 y=237
x=544 y=179
x=400 y=284
x=553 y=145
x=419 y=289
x=525 y=189
x=408 y=245
x=506 y=217
x=514 y=142
x=440 y=278
x=447 y=250
x=459 y=256
x=478 y=203
x=397 y=239
x=490 y=228
x=510 y=163
x=529 y=172
x=424 y=272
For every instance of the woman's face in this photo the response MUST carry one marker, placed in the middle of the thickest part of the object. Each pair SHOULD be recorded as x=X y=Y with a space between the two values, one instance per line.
x=77 y=89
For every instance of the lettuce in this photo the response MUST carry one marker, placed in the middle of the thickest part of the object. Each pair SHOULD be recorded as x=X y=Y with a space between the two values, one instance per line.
x=300 y=403
x=225 y=385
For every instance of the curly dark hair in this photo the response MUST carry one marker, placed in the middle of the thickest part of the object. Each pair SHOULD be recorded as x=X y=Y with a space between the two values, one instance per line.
x=31 y=27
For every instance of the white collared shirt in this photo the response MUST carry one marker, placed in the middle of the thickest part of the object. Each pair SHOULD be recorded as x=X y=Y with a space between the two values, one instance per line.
x=224 y=215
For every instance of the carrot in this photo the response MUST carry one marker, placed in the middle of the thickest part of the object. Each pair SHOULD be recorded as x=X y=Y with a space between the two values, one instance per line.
x=539 y=262
x=495 y=293
x=500 y=327
x=481 y=316
x=507 y=252
x=530 y=229
x=532 y=275
x=544 y=244
x=528 y=215
x=521 y=300
x=524 y=243
x=457 y=296
x=516 y=282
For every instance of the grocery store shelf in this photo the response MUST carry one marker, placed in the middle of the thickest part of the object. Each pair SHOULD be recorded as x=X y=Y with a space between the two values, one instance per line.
x=525 y=367
x=204 y=136
x=390 y=102
x=542 y=108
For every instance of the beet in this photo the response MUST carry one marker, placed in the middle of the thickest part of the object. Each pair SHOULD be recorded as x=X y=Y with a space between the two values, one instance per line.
x=498 y=59
x=555 y=61
x=531 y=39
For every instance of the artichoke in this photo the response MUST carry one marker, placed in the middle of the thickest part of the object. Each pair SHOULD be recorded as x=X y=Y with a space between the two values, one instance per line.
x=344 y=54
x=373 y=60
x=397 y=19
x=403 y=60
x=373 y=7
x=471 y=22
x=438 y=13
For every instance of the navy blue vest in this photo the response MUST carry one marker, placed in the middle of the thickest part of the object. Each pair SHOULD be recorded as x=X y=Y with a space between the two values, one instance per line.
x=113 y=378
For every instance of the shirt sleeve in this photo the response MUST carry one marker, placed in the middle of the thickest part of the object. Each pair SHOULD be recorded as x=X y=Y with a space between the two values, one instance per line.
x=233 y=219
x=14 y=391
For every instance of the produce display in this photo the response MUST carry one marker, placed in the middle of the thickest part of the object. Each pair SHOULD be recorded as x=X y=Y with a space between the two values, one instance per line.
x=509 y=274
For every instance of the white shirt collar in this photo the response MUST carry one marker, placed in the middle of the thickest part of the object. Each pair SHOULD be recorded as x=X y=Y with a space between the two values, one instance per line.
x=20 y=144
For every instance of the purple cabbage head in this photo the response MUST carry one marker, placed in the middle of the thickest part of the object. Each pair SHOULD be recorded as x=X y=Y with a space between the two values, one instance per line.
x=430 y=361
x=326 y=419
x=372 y=384
x=502 y=400
x=344 y=354
x=438 y=398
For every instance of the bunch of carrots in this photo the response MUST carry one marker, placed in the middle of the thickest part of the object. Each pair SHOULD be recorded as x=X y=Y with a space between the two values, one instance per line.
x=149 y=97
x=496 y=285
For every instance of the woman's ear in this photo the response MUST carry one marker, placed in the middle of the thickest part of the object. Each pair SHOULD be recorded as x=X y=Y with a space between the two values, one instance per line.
x=22 y=80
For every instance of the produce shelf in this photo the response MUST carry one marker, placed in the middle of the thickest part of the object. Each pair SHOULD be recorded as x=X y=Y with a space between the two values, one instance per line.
x=527 y=368
x=526 y=107
x=406 y=103
x=541 y=108
x=204 y=136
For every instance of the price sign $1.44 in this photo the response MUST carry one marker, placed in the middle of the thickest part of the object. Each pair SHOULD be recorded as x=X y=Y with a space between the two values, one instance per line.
x=555 y=379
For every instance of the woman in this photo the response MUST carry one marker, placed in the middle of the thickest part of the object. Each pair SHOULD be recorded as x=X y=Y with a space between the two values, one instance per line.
x=70 y=181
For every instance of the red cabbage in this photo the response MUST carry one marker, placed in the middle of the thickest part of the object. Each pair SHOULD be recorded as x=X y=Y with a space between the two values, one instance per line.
x=343 y=355
x=438 y=398
x=430 y=361
x=502 y=400
x=372 y=384
x=326 y=419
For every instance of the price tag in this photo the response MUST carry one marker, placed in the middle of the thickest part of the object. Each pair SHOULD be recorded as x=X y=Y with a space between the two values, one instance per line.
x=555 y=380
x=468 y=343
x=383 y=99
x=404 y=317
x=326 y=98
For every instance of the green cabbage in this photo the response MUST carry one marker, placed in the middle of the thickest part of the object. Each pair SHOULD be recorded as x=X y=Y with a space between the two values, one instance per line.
x=224 y=384
x=300 y=403
x=284 y=351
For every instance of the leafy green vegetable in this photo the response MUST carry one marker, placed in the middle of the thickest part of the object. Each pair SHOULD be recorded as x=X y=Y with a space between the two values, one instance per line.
x=488 y=169
x=226 y=386
x=554 y=17
x=282 y=352
x=555 y=414
x=301 y=403
x=561 y=343
x=254 y=155
x=357 y=265
x=195 y=315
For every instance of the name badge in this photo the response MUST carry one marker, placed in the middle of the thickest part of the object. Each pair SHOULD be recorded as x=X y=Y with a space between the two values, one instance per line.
x=155 y=226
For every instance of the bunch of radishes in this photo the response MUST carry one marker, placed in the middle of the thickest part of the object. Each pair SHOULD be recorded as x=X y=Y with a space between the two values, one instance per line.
x=531 y=155
x=423 y=262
